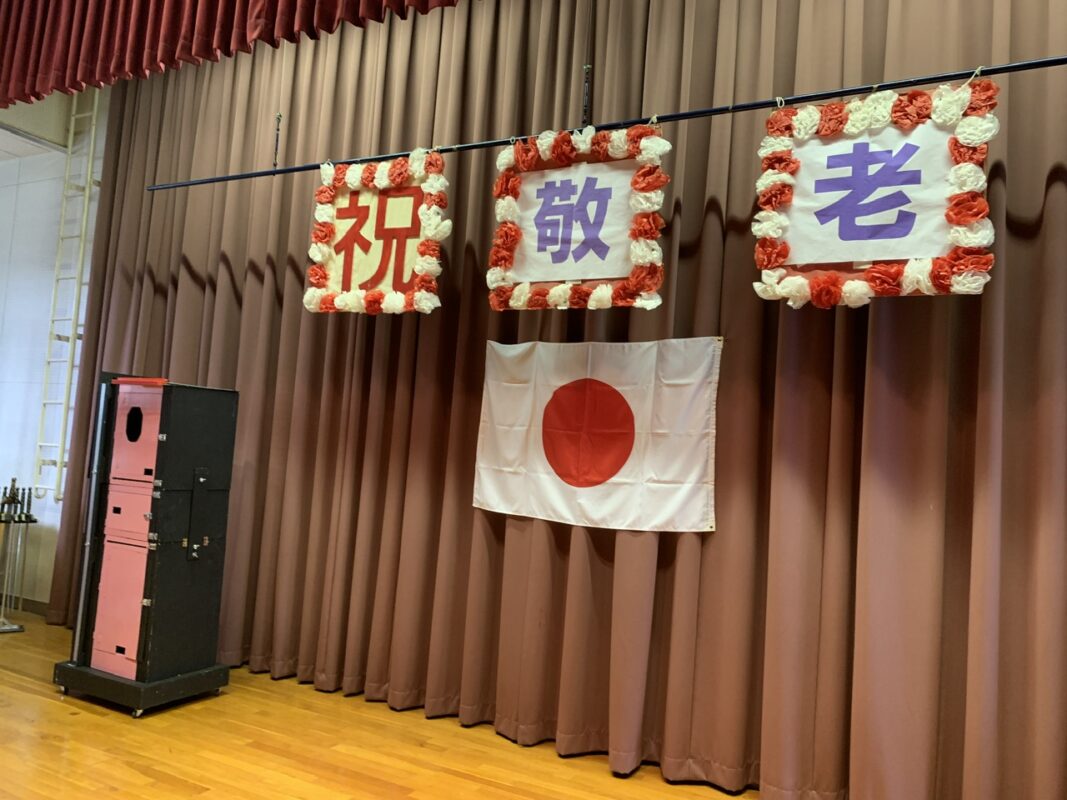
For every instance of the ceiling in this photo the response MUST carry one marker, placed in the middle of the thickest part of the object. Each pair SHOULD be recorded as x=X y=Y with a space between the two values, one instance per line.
x=14 y=146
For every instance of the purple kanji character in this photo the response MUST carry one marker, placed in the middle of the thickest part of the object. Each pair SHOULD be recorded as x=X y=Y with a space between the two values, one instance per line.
x=861 y=184
x=556 y=217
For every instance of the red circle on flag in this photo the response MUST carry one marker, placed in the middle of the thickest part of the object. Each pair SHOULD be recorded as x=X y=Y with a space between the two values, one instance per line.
x=587 y=431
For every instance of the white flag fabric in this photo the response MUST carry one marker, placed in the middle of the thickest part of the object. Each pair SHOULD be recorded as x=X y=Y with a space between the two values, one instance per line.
x=615 y=436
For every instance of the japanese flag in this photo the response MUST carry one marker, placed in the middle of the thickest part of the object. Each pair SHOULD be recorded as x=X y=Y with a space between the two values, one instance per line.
x=615 y=436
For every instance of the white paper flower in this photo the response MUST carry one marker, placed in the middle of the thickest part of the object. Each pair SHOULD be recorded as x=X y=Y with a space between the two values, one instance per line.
x=795 y=290
x=507 y=210
x=435 y=183
x=805 y=123
x=646 y=201
x=583 y=139
x=856 y=293
x=648 y=301
x=970 y=282
x=352 y=177
x=496 y=276
x=645 y=251
x=434 y=226
x=393 y=303
x=324 y=212
x=770 y=224
x=879 y=108
x=381 y=179
x=326 y=173
x=949 y=104
x=350 y=301
x=312 y=298
x=425 y=302
x=559 y=296
x=417 y=163
x=916 y=277
x=653 y=149
x=544 y=144
x=774 y=144
x=319 y=252
x=977 y=234
x=771 y=177
x=505 y=159
x=618 y=145
x=859 y=117
x=767 y=287
x=520 y=295
x=600 y=297
x=427 y=265
x=966 y=177
x=973 y=131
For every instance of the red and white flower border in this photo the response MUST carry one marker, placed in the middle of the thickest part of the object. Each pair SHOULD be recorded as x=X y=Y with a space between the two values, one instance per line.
x=560 y=149
x=423 y=168
x=963 y=270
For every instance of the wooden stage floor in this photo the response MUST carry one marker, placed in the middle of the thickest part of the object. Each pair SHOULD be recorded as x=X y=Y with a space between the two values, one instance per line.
x=270 y=739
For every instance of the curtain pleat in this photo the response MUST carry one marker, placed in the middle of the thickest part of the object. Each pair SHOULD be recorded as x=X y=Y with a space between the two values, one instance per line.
x=67 y=45
x=881 y=612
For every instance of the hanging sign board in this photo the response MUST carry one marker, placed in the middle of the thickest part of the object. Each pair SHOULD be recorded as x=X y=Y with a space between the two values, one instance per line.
x=578 y=220
x=879 y=197
x=375 y=244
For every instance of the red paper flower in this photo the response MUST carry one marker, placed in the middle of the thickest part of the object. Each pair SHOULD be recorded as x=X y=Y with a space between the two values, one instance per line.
x=527 y=156
x=499 y=297
x=317 y=276
x=599 y=146
x=983 y=97
x=832 y=119
x=646 y=278
x=507 y=184
x=372 y=301
x=911 y=109
x=964 y=154
x=646 y=225
x=322 y=232
x=339 y=172
x=634 y=135
x=325 y=194
x=941 y=275
x=426 y=283
x=439 y=199
x=782 y=161
x=563 y=149
x=780 y=123
x=326 y=303
x=966 y=259
x=507 y=236
x=399 y=172
x=649 y=178
x=580 y=296
x=366 y=177
x=538 y=297
x=409 y=300
x=884 y=279
x=435 y=163
x=771 y=253
x=624 y=293
x=825 y=289
x=501 y=257
x=775 y=196
x=428 y=247
x=965 y=208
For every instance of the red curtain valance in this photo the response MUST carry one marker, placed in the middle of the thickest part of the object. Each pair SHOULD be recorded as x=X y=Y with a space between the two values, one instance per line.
x=70 y=44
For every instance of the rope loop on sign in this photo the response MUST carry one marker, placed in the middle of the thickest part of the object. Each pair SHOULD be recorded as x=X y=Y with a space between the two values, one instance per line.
x=974 y=75
x=779 y=101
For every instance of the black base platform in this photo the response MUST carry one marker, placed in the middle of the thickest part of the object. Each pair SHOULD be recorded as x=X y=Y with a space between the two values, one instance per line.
x=135 y=694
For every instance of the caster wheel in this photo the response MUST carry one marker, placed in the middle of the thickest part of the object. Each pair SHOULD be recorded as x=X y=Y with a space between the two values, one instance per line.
x=64 y=690
x=218 y=693
x=137 y=712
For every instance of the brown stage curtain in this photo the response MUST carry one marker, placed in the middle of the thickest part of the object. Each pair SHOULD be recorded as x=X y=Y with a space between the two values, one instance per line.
x=882 y=612
x=70 y=44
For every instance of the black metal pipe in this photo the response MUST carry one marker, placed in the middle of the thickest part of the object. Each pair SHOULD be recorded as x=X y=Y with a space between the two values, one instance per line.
x=677 y=116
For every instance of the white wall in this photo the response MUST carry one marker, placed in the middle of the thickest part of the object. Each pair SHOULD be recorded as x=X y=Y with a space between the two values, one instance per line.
x=30 y=197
